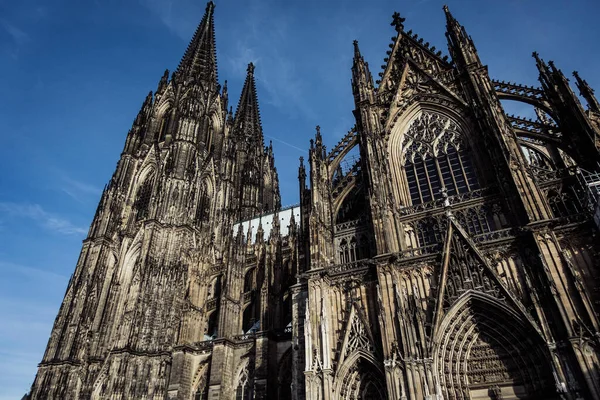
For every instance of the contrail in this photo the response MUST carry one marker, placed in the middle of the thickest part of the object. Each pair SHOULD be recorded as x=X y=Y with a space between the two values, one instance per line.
x=286 y=143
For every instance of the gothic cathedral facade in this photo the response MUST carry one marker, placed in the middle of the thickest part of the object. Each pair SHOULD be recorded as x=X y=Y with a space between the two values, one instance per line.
x=455 y=256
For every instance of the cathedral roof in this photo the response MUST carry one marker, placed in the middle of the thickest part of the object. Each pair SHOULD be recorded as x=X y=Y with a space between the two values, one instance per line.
x=286 y=216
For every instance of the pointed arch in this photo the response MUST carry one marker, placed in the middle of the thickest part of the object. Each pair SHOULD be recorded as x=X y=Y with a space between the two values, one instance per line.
x=360 y=376
x=143 y=198
x=482 y=345
x=430 y=149
x=163 y=115
x=284 y=378
x=200 y=382
x=243 y=383
x=204 y=202
x=358 y=337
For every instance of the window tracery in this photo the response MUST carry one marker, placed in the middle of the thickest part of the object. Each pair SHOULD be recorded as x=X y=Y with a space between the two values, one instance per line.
x=563 y=202
x=352 y=248
x=142 y=201
x=537 y=159
x=436 y=156
x=164 y=126
x=203 y=209
x=244 y=389
x=358 y=339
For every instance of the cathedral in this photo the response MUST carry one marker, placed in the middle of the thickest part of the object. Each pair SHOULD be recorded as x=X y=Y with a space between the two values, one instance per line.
x=442 y=250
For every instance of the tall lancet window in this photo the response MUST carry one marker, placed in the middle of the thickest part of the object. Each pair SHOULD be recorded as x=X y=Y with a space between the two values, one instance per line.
x=164 y=125
x=435 y=157
x=203 y=208
x=142 y=199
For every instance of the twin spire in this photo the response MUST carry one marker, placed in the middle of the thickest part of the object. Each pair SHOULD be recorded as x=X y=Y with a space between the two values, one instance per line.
x=247 y=117
x=199 y=64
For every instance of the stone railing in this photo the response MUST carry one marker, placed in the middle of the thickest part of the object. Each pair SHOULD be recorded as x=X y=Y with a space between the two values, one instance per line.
x=245 y=336
x=494 y=235
x=439 y=203
x=420 y=251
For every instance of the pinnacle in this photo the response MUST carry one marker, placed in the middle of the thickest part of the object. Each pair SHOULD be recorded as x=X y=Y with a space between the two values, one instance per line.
x=449 y=16
x=357 y=54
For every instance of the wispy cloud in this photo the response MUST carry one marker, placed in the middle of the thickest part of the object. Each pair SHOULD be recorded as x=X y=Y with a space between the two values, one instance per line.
x=79 y=191
x=19 y=36
x=46 y=219
x=181 y=20
x=31 y=273
x=265 y=42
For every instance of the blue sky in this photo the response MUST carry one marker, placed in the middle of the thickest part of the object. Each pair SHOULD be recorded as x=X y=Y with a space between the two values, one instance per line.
x=74 y=74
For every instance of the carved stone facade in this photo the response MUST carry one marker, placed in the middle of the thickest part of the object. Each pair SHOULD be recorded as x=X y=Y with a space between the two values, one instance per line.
x=454 y=257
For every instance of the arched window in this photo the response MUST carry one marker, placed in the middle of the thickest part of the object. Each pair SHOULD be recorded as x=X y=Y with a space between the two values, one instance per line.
x=142 y=200
x=344 y=252
x=436 y=156
x=428 y=232
x=536 y=158
x=563 y=203
x=213 y=325
x=164 y=126
x=214 y=290
x=203 y=209
x=476 y=220
x=244 y=389
x=249 y=321
x=249 y=280
x=352 y=247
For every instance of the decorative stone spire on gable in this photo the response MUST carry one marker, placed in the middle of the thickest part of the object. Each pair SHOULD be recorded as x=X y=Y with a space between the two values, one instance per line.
x=362 y=80
x=587 y=93
x=460 y=44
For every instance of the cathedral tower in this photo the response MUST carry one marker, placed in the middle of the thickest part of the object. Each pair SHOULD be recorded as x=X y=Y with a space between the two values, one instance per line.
x=157 y=250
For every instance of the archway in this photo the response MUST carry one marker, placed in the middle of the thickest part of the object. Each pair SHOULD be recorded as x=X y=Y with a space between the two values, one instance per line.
x=486 y=351
x=361 y=379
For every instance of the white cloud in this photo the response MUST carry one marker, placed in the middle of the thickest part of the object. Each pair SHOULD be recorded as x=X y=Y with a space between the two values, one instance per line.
x=36 y=213
x=79 y=191
x=19 y=36
x=181 y=19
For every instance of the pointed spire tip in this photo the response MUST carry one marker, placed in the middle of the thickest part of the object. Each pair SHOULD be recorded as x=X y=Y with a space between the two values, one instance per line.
x=250 y=69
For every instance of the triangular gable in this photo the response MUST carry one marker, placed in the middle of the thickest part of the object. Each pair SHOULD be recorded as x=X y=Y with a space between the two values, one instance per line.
x=464 y=269
x=415 y=81
x=358 y=336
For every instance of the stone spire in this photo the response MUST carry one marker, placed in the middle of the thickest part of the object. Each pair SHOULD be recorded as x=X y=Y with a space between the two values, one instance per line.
x=199 y=63
x=587 y=93
x=460 y=44
x=247 y=117
x=362 y=81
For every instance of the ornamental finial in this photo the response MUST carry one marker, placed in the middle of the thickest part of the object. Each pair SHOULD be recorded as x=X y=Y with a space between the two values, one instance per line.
x=398 y=21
